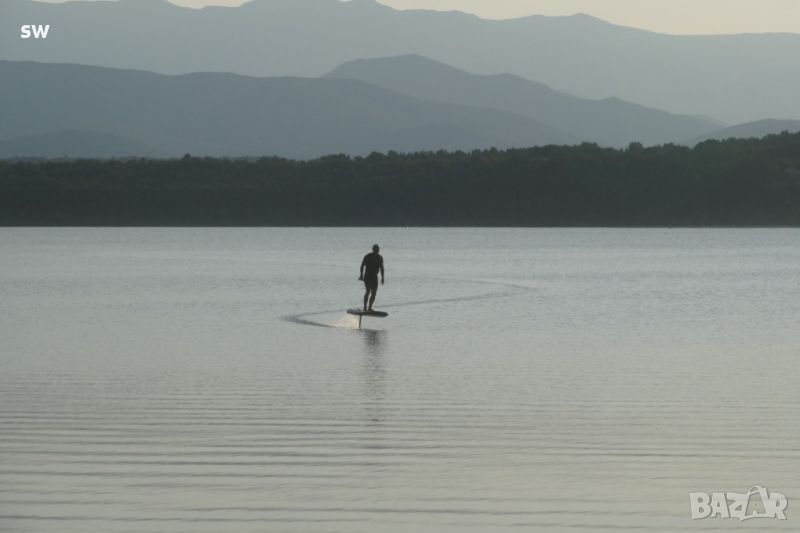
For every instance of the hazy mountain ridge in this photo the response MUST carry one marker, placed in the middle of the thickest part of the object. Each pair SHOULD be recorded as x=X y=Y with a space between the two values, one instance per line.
x=708 y=75
x=61 y=110
x=231 y=115
x=75 y=144
x=756 y=129
x=609 y=122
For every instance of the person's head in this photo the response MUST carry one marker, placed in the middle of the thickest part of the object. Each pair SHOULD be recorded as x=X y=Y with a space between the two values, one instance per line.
x=376 y=248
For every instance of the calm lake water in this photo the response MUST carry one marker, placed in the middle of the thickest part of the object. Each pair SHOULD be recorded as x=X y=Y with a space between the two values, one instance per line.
x=192 y=380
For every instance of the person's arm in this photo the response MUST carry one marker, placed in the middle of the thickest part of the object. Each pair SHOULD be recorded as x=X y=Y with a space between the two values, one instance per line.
x=381 y=270
x=361 y=269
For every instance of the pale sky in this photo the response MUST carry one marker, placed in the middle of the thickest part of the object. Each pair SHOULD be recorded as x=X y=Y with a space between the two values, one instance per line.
x=665 y=16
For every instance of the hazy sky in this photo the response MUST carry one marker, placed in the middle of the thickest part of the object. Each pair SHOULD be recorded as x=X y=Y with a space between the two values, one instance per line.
x=667 y=16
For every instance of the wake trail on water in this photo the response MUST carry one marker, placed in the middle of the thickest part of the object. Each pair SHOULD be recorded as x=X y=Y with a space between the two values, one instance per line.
x=351 y=322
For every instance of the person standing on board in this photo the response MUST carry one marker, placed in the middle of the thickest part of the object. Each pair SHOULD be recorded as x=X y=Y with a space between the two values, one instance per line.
x=368 y=273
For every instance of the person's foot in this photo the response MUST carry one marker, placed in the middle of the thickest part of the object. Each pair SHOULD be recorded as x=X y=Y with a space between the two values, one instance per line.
x=370 y=309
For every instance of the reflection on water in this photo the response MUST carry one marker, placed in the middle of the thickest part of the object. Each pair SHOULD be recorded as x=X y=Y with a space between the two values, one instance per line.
x=374 y=341
x=373 y=370
x=373 y=367
x=557 y=380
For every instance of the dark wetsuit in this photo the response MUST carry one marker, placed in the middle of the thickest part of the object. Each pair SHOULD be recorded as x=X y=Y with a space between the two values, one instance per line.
x=373 y=263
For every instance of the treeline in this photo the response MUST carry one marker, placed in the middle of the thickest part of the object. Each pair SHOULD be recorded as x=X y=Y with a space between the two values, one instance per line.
x=731 y=183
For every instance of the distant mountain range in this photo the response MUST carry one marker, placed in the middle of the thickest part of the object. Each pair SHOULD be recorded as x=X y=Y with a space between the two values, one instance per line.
x=75 y=143
x=404 y=104
x=610 y=122
x=756 y=129
x=59 y=109
x=734 y=78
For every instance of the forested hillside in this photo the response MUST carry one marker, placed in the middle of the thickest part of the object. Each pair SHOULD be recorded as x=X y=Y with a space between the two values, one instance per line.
x=731 y=183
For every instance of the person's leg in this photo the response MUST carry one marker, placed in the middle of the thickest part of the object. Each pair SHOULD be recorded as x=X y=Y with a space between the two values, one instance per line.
x=371 y=283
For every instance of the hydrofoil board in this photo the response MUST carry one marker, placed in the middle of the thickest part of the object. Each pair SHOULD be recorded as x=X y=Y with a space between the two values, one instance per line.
x=361 y=312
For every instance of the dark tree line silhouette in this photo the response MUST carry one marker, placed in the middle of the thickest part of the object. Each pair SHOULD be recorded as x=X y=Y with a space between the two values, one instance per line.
x=752 y=182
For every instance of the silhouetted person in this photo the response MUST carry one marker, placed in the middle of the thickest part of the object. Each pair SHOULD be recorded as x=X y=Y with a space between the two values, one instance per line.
x=370 y=266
